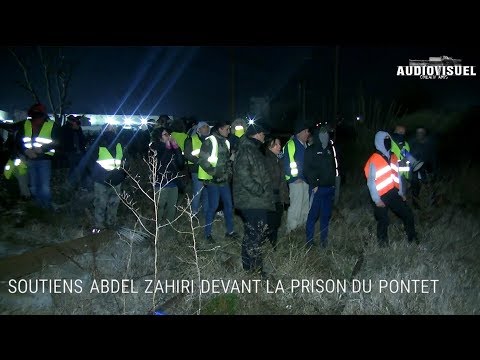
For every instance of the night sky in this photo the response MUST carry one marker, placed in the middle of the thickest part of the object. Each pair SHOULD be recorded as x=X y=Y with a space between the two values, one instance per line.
x=197 y=81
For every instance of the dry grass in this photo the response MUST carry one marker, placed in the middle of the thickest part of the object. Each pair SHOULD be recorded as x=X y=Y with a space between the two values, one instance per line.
x=448 y=253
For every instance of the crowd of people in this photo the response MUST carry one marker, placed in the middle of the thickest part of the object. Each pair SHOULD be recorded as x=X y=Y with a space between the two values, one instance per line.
x=239 y=167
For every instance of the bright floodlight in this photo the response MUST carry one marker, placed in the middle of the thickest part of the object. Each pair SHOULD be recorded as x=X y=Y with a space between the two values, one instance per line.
x=127 y=121
x=251 y=121
x=143 y=121
x=110 y=120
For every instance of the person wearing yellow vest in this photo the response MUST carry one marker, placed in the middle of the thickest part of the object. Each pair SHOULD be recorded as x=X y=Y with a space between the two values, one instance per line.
x=398 y=144
x=37 y=139
x=238 y=129
x=321 y=171
x=179 y=133
x=387 y=189
x=192 y=152
x=293 y=159
x=106 y=163
x=215 y=170
x=17 y=163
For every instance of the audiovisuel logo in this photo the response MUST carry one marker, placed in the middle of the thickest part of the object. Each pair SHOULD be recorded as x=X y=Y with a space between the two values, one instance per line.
x=441 y=67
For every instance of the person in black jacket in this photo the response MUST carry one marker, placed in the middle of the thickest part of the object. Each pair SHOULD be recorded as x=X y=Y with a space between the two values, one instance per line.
x=170 y=162
x=74 y=144
x=274 y=168
x=320 y=172
x=423 y=148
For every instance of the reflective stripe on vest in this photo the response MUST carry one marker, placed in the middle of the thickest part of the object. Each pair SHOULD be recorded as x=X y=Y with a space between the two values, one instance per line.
x=335 y=157
x=16 y=166
x=196 y=145
x=386 y=175
x=107 y=161
x=8 y=171
x=291 y=153
x=212 y=159
x=404 y=168
x=20 y=166
x=44 y=137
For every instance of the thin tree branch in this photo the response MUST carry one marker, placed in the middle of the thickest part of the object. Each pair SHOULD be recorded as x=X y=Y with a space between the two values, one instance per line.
x=28 y=84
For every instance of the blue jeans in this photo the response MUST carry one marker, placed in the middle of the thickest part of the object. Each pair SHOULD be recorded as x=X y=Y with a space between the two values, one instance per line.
x=39 y=174
x=214 y=193
x=321 y=207
x=199 y=193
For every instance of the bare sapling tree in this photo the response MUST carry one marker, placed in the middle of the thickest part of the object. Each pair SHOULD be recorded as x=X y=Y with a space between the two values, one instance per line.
x=55 y=80
x=191 y=230
x=148 y=216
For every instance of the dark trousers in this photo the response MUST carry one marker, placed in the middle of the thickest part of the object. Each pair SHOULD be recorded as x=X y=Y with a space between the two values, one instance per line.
x=419 y=179
x=321 y=207
x=394 y=202
x=274 y=219
x=77 y=170
x=255 y=233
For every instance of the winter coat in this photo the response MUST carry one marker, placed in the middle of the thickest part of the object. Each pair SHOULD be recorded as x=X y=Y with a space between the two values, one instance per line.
x=274 y=168
x=252 y=186
x=319 y=165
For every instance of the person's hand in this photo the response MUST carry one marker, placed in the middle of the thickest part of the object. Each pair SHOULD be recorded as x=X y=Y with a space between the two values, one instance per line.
x=168 y=144
x=380 y=203
x=404 y=198
x=173 y=143
x=315 y=189
x=30 y=153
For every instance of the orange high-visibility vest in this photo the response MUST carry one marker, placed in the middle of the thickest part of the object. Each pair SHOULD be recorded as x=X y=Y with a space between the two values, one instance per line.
x=386 y=175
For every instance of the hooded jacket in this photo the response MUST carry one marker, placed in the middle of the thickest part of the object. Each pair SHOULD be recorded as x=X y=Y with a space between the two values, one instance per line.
x=371 y=170
x=319 y=162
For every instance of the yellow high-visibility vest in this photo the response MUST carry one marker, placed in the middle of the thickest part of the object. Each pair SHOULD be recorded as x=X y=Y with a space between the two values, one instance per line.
x=14 y=167
x=44 y=137
x=180 y=138
x=239 y=131
x=403 y=169
x=107 y=161
x=291 y=153
x=196 y=145
x=212 y=159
